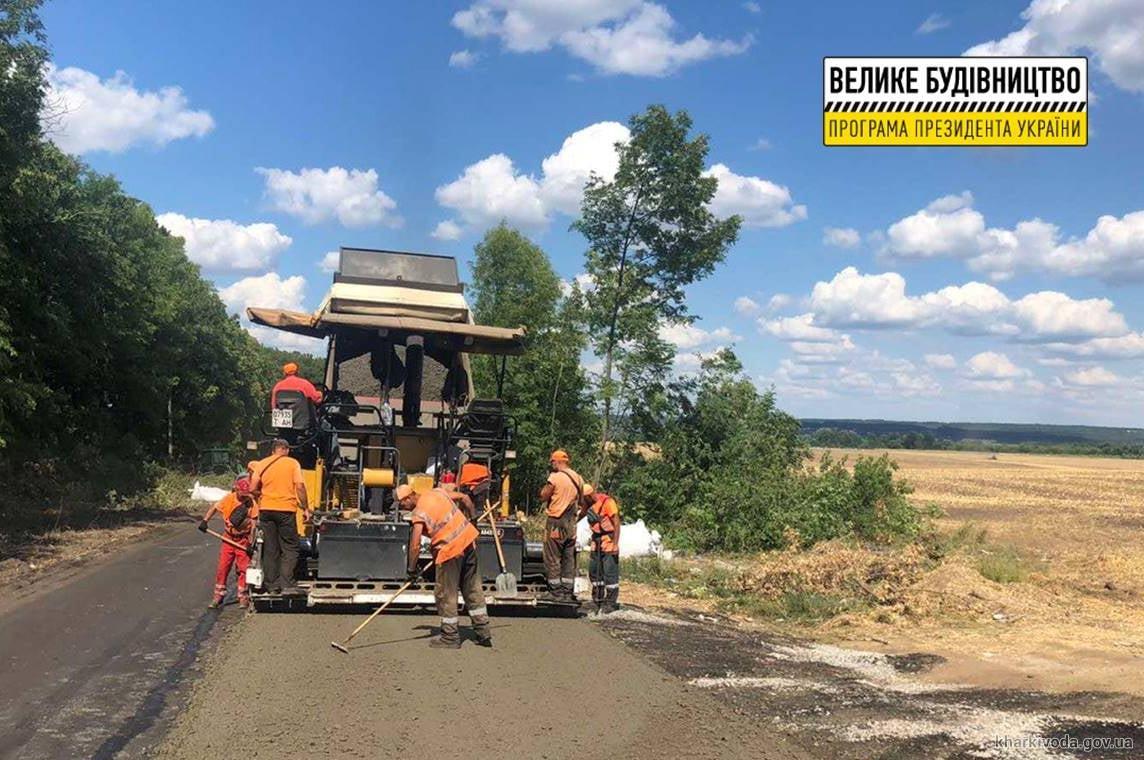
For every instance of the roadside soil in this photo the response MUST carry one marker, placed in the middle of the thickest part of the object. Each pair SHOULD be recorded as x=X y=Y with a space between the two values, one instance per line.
x=847 y=703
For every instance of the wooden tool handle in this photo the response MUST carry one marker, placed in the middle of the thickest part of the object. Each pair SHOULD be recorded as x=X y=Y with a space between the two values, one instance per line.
x=390 y=601
x=496 y=540
x=226 y=540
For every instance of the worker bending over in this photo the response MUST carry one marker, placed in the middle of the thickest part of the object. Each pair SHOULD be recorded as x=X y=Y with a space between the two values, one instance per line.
x=453 y=542
x=603 y=513
x=238 y=510
x=563 y=492
x=292 y=381
x=277 y=481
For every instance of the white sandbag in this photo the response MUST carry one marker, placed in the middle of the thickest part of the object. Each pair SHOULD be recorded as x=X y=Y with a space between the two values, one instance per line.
x=207 y=493
x=635 y=539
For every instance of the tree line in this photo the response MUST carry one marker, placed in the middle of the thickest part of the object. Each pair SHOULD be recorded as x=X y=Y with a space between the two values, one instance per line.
x=841 y=438
x=114 y=350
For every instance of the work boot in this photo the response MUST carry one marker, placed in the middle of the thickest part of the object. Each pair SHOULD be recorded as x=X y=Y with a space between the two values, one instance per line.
x=611 y=602
x=244 y=602
x=568 y=594
x=216 y=602
x=292 y=590
x=553 y=594
x=440 y=642
x=484 y=635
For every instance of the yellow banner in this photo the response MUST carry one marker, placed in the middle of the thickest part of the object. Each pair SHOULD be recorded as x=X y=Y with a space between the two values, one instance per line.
x=979 y=129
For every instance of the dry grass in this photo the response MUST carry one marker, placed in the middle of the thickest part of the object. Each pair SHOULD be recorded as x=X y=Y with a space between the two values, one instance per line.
x=1036 y=577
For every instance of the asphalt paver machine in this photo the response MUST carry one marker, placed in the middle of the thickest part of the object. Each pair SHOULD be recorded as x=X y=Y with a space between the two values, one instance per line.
x=397 y=407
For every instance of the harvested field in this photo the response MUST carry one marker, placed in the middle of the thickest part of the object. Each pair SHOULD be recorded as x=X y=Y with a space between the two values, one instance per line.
x=1035 y=579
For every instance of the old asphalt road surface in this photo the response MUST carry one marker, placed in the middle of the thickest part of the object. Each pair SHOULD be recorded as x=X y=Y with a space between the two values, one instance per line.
x=92 y=660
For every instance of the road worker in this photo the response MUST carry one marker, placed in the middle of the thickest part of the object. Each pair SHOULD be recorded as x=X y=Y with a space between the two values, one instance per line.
x=445 y=517
x=238 y=510
x=281 y=492
x=562 y=493
x=603 y=513
x=292 y=381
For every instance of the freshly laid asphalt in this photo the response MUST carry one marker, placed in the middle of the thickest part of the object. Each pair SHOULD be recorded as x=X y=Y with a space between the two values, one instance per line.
x=92 y=658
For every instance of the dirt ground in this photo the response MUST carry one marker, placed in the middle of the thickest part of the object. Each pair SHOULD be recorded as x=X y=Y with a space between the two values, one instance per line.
x=551 y=688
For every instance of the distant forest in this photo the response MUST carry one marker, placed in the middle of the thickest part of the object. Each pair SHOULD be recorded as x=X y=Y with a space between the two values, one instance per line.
x=976 y=436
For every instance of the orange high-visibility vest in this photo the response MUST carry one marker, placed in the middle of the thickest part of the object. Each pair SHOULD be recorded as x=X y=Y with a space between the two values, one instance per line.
x=606 y=530
x=450 y=532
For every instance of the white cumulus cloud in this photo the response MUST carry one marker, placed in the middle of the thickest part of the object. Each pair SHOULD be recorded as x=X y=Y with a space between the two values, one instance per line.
x=351 y=196
x=873 y=301
x=688 y=336
x=746 y=306
x=463 y=59
x=940 y=361
x=329 y=262
x=1113 y=250
x=83 y=113
x=270 y=291
x=991 y=366
x=220 y=245
x=1112 y=30
x=841 y=237
x=760 y=202
x=1092 y=377
x=615 y=36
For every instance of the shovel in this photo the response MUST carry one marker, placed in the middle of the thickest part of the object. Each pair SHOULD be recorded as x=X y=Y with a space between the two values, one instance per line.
x=506 y=581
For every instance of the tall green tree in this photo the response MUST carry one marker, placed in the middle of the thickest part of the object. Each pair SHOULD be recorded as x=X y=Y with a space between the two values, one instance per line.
x=650 y=235
x=545 y=389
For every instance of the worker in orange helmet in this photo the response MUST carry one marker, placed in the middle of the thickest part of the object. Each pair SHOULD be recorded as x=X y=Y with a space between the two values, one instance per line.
x=453 y=542
x=291 y=381
x=603 y=513
x=239 y=510
x=562 y=493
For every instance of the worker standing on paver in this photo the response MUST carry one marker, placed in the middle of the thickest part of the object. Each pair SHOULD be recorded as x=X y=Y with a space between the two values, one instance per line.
x=562 y=492
x=292 y=381
x=453 y=542
x=238 y=510
x=281 y=492
x=603 y=513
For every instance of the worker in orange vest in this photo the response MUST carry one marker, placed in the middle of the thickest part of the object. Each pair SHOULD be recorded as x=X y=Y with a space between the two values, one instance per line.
x=562 y=492
x=292 y=381
x=603 y=513
x=278 y=484
x=453 y=542
x=238 y=510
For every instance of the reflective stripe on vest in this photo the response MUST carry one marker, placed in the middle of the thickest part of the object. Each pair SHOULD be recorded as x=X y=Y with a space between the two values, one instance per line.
x=445 y=528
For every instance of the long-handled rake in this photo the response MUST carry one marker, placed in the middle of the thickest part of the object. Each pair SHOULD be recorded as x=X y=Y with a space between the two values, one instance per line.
x=344 y=646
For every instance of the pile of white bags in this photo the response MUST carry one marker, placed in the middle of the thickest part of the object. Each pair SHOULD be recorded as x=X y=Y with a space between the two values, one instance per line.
x=635 y=539
x=207 y=493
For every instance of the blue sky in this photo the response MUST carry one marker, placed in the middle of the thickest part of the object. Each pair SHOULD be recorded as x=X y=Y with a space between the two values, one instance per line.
x=912 y=283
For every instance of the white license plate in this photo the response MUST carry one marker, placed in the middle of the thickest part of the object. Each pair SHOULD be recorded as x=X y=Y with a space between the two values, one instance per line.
x=282 y=418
